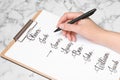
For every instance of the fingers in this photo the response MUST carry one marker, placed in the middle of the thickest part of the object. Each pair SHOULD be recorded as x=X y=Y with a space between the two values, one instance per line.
x=69 y=16
x=73 y=37
x=64 y=32
x=69 y=30
x=70 y=27
x=70 y=35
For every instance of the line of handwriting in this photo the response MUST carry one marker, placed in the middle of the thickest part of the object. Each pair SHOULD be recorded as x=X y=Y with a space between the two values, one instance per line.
x=100 y=65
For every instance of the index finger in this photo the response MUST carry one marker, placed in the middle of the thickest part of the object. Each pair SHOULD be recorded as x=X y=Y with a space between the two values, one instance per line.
x=69 y=16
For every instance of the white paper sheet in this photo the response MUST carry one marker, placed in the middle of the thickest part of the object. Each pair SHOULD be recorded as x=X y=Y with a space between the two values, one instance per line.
x=56 y=56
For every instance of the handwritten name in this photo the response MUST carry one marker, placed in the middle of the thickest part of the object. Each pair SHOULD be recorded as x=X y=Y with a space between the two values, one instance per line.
x=32 y=36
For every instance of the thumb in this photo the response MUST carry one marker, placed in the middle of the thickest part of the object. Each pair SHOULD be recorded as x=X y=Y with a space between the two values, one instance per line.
x=69 y=27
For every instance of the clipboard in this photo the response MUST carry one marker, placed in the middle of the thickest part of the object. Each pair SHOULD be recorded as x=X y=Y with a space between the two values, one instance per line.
x=15 y=39
x=31 y=25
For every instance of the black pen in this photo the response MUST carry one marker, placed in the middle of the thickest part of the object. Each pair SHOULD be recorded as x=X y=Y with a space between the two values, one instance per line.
x=85 y=15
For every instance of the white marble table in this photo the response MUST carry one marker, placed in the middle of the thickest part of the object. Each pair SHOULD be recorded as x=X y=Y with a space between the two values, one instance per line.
x=15 y=13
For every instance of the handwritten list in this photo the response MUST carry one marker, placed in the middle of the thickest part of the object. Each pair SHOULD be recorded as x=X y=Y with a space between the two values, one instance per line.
x=51 y=53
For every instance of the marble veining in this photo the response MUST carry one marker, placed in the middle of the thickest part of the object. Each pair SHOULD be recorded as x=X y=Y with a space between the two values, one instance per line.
x=15 y=13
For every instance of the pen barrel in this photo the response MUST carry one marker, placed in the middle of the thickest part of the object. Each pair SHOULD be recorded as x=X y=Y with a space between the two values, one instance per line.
x=86 y=15
x=79 y=18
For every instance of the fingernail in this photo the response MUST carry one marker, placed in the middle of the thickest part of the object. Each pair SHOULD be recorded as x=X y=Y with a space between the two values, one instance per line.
x=74 y=40
x=61 y=26
x=57 y=25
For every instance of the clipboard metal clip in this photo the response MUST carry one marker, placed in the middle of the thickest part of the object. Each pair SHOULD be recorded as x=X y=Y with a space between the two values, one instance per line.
x=25 y=31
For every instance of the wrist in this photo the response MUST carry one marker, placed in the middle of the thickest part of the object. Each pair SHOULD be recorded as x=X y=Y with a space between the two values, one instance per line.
x=100 y=37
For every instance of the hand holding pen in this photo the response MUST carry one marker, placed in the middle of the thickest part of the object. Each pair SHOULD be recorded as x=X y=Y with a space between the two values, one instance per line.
x=88 y=29
x=79 y=23
x=83 y=16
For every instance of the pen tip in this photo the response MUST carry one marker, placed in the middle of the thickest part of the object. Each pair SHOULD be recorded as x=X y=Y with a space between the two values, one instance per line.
x=58 y=29
x=55 y=30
